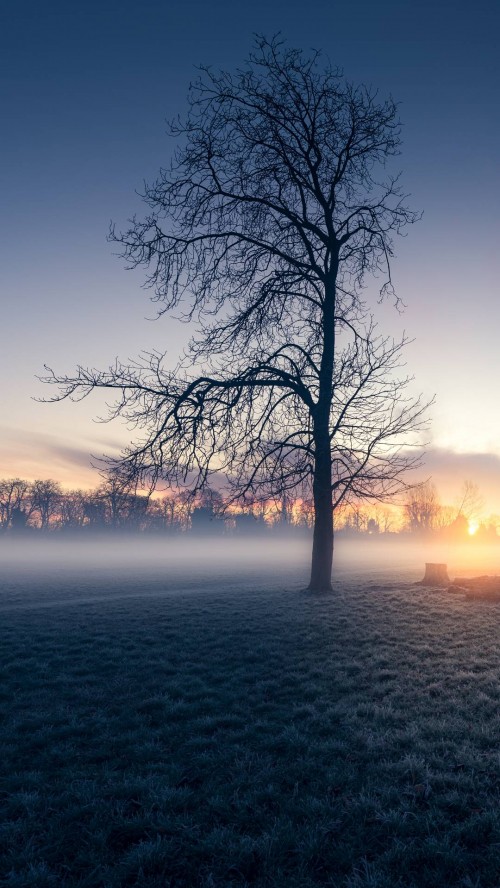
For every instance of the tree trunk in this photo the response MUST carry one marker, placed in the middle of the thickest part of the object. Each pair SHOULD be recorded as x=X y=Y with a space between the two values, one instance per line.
x=322 y=552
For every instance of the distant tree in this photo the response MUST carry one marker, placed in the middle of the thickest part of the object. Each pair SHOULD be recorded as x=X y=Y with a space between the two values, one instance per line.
x=305 y=512
x=372 y=526
x=206 y=516
x=470 y=502
x=487 y=532
x=72 y=509
x=95 y=511
x=354 y=518
x=158 y=516
x=445 y=517
x=137 y=509
x=169 y=511
x=284 y=507
x=246 y=521
x=19 y=519
x=211 y=499
x=123 y=506
x=45 y=500
x=13 y=499
x=385 y=519
x=264 y=227
x=494 y=522
x=421 y=508
x=184 y=505
x=113 y=494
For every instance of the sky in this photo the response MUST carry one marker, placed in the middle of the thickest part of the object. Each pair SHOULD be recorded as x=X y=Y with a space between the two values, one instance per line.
x=85 y=91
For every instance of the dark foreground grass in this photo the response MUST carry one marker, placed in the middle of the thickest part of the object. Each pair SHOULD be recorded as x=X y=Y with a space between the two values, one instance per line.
x=250 y=735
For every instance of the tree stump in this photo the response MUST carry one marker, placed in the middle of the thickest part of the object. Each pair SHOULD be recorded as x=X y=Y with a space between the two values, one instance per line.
x=436 y=575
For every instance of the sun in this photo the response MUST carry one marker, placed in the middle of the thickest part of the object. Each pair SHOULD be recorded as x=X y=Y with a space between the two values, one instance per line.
x=473 y=528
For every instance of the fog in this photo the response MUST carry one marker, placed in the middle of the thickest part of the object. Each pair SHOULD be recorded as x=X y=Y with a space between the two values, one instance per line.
x=52 y=572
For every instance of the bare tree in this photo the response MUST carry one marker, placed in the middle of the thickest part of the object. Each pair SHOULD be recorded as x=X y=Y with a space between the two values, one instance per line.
x=354 y=518
x=163 y=513
x=422 y=508
x=123 y=506
x=94 y=511
x=207 y=511
x=45 y=499
x=470 y=503
x=385 y=519
x=305 y=512
x=13 y=500
x=264 y=227
x=72 y=509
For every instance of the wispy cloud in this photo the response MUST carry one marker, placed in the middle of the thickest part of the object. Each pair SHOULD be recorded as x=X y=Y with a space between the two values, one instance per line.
x=34 y=454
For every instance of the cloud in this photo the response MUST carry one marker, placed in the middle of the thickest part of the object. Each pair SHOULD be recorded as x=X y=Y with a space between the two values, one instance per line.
x=448 y=470
x=33 y=454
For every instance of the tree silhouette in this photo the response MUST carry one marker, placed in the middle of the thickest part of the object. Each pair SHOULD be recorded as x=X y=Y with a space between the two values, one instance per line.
x=422 y=507
x=45 y=498
x=14 y=493
x=263 y=229
x=470 y=503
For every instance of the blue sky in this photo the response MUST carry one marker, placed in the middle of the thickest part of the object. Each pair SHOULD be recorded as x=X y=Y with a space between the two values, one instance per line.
x=85 y=92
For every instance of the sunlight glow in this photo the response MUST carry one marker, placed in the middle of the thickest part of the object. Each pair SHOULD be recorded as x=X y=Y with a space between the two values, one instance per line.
x=473 y=527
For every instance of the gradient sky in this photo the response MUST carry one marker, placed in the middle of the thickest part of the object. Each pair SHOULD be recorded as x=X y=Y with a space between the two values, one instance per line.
x=85 y=91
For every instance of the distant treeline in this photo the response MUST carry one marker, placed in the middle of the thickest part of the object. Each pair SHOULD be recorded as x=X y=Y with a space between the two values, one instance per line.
x=43 y=506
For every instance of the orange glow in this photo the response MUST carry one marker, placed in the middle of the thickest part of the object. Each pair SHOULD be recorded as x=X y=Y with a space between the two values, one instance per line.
x=473 y=527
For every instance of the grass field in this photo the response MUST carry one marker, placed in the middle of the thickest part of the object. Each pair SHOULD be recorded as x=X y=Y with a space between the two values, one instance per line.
x=228 y=730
